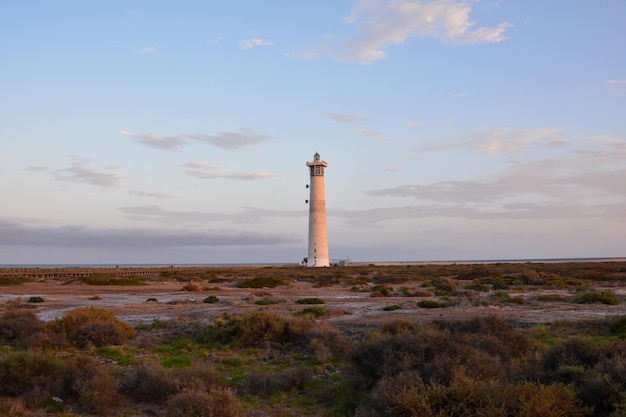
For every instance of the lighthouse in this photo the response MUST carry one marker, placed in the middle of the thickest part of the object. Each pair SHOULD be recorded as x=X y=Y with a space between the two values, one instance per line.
x=318 y=235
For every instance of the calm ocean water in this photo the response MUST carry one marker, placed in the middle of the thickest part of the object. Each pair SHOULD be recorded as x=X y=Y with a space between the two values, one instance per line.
x=287 y=263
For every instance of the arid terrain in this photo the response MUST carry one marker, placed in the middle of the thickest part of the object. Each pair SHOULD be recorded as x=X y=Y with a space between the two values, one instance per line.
x=543 y=292
x=533 y=339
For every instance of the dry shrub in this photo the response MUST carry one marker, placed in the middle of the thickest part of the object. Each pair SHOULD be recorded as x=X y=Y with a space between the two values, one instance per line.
x=492 y=334
x=191 y=287
x=145 y=382
x=88 y=382
x=28 y=374
x=434 y=351
x=598 y=373
x=20 y=328
x=468 y=397
x=200 y=375
x=263 y=382
x=557 y=362
x=91 y=325
x=270 y=331
x=218 y=402
x=445 y=284
x=398 y=326
x=13 y=407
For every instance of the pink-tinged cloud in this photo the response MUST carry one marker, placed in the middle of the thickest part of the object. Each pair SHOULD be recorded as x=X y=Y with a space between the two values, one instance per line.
x=380 y=23
x=241 y=139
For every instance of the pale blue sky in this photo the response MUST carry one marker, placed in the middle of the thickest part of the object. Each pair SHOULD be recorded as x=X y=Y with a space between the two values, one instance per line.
x=178 y=132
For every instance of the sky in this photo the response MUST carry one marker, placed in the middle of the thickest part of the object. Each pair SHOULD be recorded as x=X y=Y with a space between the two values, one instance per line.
x=178 y=132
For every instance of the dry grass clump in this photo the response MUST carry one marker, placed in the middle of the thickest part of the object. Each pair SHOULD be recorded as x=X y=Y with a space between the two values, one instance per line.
x=262 y=382
x=37 y=375
x=191 y=287
x=90 y=326
x=20 y=328
x=467 y=397
x=218 y=402
x=268 y=331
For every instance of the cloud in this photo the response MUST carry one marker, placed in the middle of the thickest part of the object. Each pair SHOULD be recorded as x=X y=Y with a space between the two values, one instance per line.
x=140 y=193
x=246 y=215
x=147 y=50
x=414 y=124
x=370 y=133
x=501 y=140
x=37 y=168
x=616 y=86
x=344 y=118
x=581 y=185
x=204 y=171
x=381 y=23
x=242 y=139
x=14 y=233
x=80 y=172
x=216 y=40
x=253 y=43
x=166 y=143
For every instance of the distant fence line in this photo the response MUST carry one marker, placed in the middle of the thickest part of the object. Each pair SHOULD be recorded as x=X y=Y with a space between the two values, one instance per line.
x=122 y=271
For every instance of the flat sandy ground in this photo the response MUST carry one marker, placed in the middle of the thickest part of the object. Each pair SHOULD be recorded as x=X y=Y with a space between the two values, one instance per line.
x=354 y=312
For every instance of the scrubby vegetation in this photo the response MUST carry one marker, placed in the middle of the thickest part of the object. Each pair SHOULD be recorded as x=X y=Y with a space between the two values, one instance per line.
x=244 y=364
x=302 y=363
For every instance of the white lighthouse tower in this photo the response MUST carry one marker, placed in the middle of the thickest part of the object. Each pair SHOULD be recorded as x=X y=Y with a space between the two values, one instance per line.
x=318 y=235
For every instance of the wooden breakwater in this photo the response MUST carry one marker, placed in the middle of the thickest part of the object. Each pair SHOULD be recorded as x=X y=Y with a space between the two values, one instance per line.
x=120 y=271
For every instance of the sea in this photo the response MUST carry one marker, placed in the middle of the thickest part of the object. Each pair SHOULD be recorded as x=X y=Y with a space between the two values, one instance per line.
x=460 y=261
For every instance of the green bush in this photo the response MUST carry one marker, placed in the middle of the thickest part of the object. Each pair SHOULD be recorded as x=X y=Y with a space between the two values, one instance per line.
x=604 y=297
x=392 y=307
x=504 y=297
x=549 y=297
x=36 y=299
x=268 y=301
x=211 y=299
x=310 y=301
x=263 y=282
x=313 y=311
x=429 y=304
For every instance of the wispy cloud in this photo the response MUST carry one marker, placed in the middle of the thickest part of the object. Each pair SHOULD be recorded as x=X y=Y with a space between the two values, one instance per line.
x=242 y=139
x=501 y=140
x=370 y=133
x=580 y=185
x=37 y=168
x=80 y=171
x=616 y=86
x=15 y=233
x=248 y=215
x=140 y=193
x=380 y=23
x=205 y=171
x=344 y=118
x=254 y=42
x=414 y=124
x=146 y=50
x=215 y=40
x=166 y=143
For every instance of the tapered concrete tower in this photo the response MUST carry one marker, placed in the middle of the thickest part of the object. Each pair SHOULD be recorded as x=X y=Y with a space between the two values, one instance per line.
x=318 y=234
